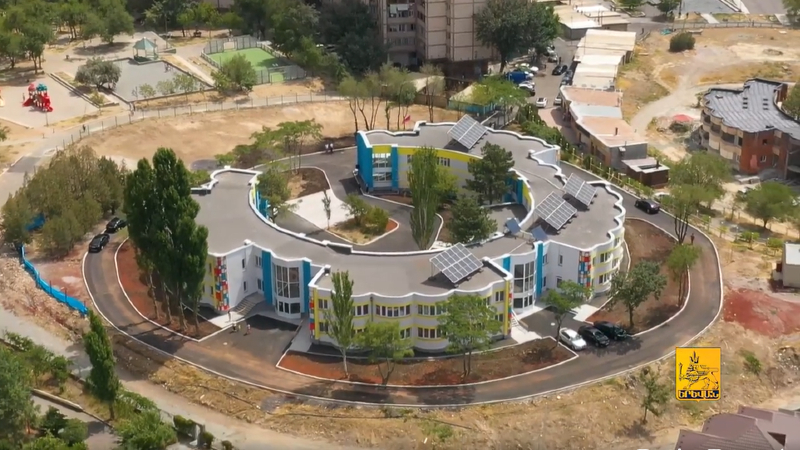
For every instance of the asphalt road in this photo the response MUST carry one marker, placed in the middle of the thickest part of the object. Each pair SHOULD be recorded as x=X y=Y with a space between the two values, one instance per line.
x=701 y=310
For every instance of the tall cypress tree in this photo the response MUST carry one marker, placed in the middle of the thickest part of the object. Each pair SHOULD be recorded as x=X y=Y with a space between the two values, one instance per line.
x=103 y=382
x=422 y=180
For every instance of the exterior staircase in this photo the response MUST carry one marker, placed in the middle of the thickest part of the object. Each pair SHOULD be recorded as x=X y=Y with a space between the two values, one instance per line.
x=247 y=305
x=519 y=331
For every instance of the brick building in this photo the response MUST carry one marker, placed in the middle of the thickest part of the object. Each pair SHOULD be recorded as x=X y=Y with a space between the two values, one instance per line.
x=748 y=128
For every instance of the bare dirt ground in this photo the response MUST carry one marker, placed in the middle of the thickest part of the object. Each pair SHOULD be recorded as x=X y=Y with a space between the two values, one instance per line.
x=609 y=411
x=352 y=232
x=307 y=181
x=645 y=243
x=201 y=136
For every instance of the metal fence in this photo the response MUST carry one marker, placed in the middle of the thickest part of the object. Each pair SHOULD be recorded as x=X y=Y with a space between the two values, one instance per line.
x=284 y=70
x=234 y=43
x=143 y=113
x=748 y=24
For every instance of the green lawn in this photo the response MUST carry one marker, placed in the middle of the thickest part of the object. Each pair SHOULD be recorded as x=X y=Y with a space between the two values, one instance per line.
x=258 y=57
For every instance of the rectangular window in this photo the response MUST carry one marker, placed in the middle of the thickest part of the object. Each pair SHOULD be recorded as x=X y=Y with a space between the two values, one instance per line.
x=244 y=286
x=544 y=260
x=382 y=176
x=762 y=159
x=558 y=281
x=393 y=311
x=616 y=242
x=211 y=290
x=499 y=296
x=444 y=162
x=258 y=261
x=243 y=263
x=381 y=160
x=560 y=260
x=523 y=277
x=408 y=159
x=544 y=281
x=287 y=281
x=259 y=284
x=605 y=257
x=361 y=310
x=488 y=300
x=405 y=333
x=322 y=303
x=294 y=308
x=323 y=327
x=499 y=318
x=429 y=333
x=604 y=278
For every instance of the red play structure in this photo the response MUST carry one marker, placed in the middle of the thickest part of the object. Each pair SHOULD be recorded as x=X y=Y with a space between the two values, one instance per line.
x=38 y=98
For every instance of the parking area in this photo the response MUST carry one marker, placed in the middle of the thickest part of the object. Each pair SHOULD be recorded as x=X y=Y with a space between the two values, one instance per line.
x=134 y=75
x=547 y=84
x=543 y=323
x=267 y=341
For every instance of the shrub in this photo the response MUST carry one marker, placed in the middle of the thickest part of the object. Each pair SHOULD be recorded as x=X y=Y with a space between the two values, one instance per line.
x=226 y=445
x=74 y=432
x=206 y=439
x=356 y=207
x=681 y=42
x=183 y=425
x=376 y=220
x=751 y=363
x=52 y=422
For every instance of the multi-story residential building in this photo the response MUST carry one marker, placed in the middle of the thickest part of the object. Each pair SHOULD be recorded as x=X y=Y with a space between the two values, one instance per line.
x=750 y=428
x=748 y=128
x=254 y=260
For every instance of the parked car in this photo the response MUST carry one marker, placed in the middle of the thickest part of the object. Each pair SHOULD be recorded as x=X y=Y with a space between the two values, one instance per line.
x=558 y=70
x=612 y=330
x=554 y=58
x=557 y=101
x=593 y=335
x=647 y=205
x=98 y=243
x=541 y=102
x=528 y=86
x=571 y=339
x=115 y=225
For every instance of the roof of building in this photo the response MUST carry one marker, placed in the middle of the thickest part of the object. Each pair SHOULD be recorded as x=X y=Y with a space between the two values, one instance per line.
x=791 y=253
x=596 y=69
x=583 y=110
x=612 y=132
x=594 y=97
x=574 y=20
x=749 y=429
x=644 y=165
x=609 y=40
x=594 y=58
x=592 y=81
x=239 y=224
x=752 y=108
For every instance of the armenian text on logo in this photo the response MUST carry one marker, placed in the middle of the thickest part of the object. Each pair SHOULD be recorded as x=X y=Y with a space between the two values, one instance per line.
x=697 y=373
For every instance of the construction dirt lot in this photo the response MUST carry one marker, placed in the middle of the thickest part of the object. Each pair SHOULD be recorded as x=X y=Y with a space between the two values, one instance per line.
x=201 y=136
x=754 y=322
x=720 y=56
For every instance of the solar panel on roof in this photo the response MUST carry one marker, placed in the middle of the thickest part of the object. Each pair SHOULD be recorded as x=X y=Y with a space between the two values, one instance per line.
x=456 y=263
x=539 y=234
x=561 y=216
x=573 y=186
x=459 y=130
x=513 y=225
x=473 y=135
x=548 y=205
x=586 y=194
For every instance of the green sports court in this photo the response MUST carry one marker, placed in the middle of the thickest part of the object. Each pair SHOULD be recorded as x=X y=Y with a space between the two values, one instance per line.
x=261 y=60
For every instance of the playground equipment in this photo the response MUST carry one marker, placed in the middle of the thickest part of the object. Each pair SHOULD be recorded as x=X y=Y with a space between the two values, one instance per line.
x=38 y=98
x=2 y=100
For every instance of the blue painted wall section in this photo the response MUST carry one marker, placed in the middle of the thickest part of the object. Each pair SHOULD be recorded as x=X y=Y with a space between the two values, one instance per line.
x=507 y=263
x=262 y=204
x=266 y=276
x=518 y=191
x=509 y=195
x=539 y=270
x=364 y=161
x=306 y=280
x=62 y=297
x=395 y=168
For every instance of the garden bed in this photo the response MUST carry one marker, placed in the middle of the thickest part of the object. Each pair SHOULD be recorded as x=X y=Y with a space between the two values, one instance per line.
x=646 y=243
x=447 y=215
x=350 y=231
x=134 y=284
x=307 y=181
x=447 y=371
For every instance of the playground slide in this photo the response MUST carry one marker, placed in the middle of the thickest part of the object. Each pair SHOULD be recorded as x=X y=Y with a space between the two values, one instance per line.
x=49 y=108
x=28 y=102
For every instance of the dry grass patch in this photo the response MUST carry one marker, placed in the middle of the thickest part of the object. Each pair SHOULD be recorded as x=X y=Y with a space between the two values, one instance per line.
x=740 y=73
x=639 y=84
x=351 y=231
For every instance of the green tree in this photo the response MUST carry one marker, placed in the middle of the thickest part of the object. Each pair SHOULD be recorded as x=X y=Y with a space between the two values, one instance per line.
x=357 y=207
x=293 y=23
x=326 y=206
x=705 y=170
x=351 y=28
x=668 y=7
x=166 y=87
x=230 y=21
x=684 y=201
x=631 y=5
x=147 y=91
x=681 y=42
x=17 y=411
x=114 y=18
x=74 y=432
x=295 y=136
x=680 y=261
x=498 y=91
x=186 y=83
x=446 y=185
x=422 y=180
x=52 y=422
x=634 y=287
x=146 y=430
x=385 y=345
x=46 y=442
x=656 y=393
x=470 y=222
x=98 y=73
x=791 y=105
x=340 y=316
x=470 y=325
x=235 y=74
x=490 y=172
x=434 y=86
x=353 y=90
x=513 y=26
x=17 y=217
x=102 y=382
x=11 y=47
x=273 y=186
x=770 y=201
x=562 y=300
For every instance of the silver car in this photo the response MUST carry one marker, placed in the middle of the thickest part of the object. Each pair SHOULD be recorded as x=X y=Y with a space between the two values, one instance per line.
x=571 y=339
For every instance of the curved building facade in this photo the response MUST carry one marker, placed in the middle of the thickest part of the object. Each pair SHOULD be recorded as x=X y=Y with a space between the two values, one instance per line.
x=255 y=262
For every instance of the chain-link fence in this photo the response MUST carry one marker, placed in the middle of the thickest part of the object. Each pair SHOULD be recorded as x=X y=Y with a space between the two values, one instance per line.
x=744 y=24
x=230 y=44
x=282 y=69
x=142 y=113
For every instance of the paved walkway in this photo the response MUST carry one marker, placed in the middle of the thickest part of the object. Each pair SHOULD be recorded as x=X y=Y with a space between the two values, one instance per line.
x=100 y=435
x=709 y=18
x=700 y=311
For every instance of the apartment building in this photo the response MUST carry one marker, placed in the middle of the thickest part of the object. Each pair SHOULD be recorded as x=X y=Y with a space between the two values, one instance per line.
x=749 y=129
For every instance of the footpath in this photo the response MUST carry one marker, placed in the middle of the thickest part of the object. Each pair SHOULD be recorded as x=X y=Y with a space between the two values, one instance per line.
x=244 y=436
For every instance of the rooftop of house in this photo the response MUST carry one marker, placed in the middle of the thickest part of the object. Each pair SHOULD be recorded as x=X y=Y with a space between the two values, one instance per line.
x=792 y=253
x=748 y=429
x=752 y=108
x=592 y=58
x=584 y=110
x=612 y=132
x=594 y=97
x=609 y=40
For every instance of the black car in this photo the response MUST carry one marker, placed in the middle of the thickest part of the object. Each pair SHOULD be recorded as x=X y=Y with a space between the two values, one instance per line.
x=648 y=206
x=98 y=243
x=593 y=335
x=115 y=225
x=558 y=70
x=612 y=330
